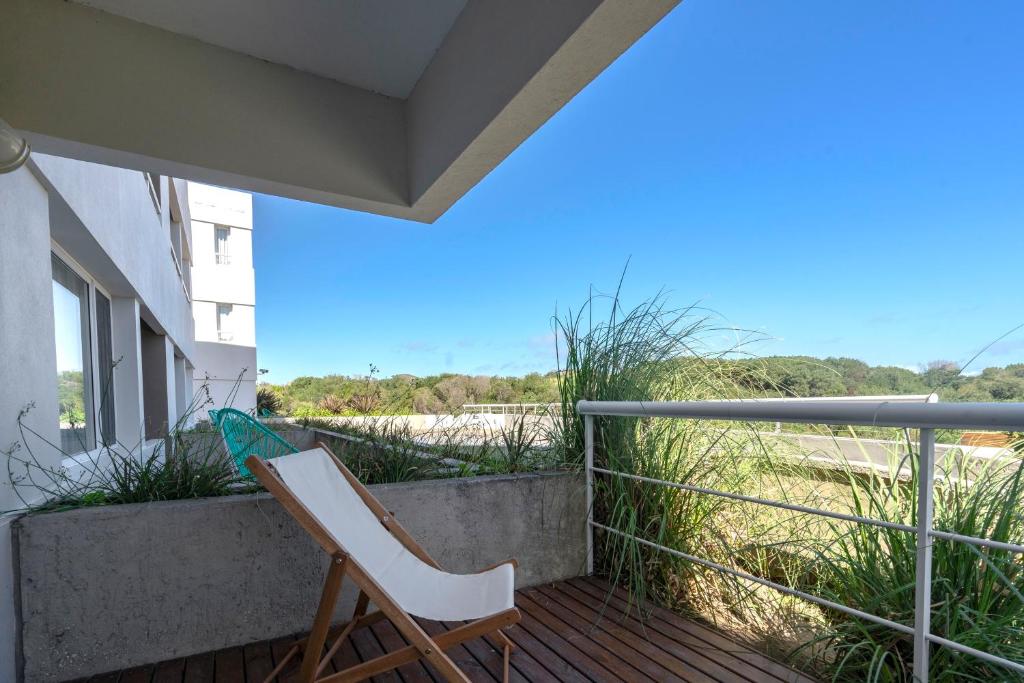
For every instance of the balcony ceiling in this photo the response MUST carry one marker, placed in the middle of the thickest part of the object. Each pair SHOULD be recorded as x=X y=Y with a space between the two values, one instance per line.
x=396 y=107
x=378 y=45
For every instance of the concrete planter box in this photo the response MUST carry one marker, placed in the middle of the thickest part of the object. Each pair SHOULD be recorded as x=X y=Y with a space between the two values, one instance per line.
x=110 y=587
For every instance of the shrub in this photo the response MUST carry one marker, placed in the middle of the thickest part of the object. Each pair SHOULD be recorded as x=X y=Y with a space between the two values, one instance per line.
x=332 y=404
x=268 y=402
x=185 y=464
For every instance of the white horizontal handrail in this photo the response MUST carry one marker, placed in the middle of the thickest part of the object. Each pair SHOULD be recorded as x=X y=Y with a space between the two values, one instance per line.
x=999 y=417
x=967 y=649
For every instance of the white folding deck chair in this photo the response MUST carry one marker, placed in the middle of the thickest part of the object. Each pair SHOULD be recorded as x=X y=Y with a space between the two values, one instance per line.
x=390 y=569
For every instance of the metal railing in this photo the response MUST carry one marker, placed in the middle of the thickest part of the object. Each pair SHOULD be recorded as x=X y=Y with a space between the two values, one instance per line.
x=511 y=408
x=927 y=417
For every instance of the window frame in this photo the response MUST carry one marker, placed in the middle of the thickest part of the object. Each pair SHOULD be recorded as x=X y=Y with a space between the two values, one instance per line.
x=92 y=286
x=225 y=335
x=222 y=258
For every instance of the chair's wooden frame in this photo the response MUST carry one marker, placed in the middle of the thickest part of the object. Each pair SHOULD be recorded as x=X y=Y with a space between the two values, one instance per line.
x=422 y=645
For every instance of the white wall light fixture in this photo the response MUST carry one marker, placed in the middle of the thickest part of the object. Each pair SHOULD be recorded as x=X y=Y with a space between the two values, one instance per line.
x=14 y=149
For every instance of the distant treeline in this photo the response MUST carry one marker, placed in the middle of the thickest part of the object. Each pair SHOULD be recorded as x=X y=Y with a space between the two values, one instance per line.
x=404 y=394
x=807 y=376
x=771 y=376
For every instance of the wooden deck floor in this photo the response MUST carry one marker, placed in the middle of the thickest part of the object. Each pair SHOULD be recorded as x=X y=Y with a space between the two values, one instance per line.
x=562 y=637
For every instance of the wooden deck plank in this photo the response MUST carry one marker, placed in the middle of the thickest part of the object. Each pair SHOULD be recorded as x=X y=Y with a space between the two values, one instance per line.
x=462 y=657
x=599 y=651
x=694 y=652
x=391 y=640
x=491 y=659
x=106 y=678
x=138 y=674
x=682 y=629
x=229 y=666
x=259 y=661
x=169 y=672
x=278 y=651
x=346 y=656
x=368 y=648
x=522 y=664
x=548 y=659
x=199 y=668
x=638 y=652
x=568 y=633
x=565 y=650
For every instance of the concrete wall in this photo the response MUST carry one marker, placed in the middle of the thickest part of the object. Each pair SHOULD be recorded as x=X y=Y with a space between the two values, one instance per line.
x=106 y=588
x=219 y=367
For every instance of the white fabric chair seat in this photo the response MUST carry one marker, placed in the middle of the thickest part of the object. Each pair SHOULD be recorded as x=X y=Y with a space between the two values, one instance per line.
x=417 y=587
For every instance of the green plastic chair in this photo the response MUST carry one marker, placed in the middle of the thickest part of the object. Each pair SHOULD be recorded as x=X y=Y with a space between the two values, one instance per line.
x=245 y=436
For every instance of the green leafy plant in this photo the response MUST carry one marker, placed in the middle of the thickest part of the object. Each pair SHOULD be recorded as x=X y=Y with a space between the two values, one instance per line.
x=186 y=463
x=268 y=402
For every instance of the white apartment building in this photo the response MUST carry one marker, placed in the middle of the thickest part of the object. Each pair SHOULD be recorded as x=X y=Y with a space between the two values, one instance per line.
x=96 y=330
x=97 y=334
x=101 y=272
x=223 y=295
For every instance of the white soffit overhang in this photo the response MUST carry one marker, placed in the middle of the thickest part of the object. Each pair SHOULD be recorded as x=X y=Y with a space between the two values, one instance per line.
x=396 y=107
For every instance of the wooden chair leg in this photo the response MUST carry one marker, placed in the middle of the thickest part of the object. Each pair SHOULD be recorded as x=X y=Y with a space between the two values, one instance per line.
x=411 y=653
x=357 y=619
x=322 y=622
x=508 y=652
x=500 y=641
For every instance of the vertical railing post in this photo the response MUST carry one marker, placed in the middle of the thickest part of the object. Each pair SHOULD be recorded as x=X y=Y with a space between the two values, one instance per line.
x=923 y=579
x=588 y=448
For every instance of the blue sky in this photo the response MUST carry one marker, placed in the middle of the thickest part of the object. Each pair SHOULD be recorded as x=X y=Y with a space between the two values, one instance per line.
x=845 y=178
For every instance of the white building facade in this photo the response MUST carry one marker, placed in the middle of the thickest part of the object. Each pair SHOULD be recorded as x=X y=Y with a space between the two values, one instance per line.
x=223 y=295
x=97 y=335
x=122 y=294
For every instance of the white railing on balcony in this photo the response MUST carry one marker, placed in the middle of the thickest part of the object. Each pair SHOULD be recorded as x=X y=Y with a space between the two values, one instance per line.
x=511 y=408
x=925 y=416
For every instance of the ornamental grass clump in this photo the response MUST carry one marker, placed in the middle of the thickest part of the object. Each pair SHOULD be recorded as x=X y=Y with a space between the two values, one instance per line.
x=186 y=463
x=653 y=352
x=977 y=593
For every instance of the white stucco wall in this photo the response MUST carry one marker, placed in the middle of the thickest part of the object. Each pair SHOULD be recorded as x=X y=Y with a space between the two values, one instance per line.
x=228 y=373
x=29 y=368
x=126 y=244
x=219 y=363
x=28 y=371
x=243 y=323
x=104 y=220
x=220 y=205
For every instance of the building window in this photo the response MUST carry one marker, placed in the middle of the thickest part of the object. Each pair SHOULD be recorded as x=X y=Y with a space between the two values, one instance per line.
x=224 y=332
x=153 y=184
x=220 y=245
x=71 y=319
x=105 y=362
